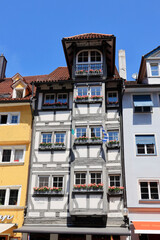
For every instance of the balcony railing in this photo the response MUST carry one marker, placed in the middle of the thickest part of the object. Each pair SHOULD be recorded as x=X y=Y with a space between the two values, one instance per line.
x=89 y=69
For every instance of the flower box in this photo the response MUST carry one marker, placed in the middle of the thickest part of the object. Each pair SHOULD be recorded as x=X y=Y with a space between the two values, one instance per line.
x=95 y=71
x=89 y=187
x=45 y=146
x=113 y=144
x=47 y=190
x=113 y=190
x=112 y=104
x=81 y=72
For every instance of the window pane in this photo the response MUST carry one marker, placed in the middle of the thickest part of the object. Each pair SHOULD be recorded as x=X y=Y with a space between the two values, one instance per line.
x=144 y=190
x=115 y=181
x=150 y=148
x=43 y=181
x=80 y=178
x=60 y=137
x=82 y=91
x=4 y=119
x=46 y=137
x=62 y=98
x=112 y=97
x=113 y=136
x=81 y=132
x=96 y=132
x=18 y=155
x=154 y=190
x=13 y=197
x=14 y=119
x=2 y=197
x=19 y=93
x=6 y=155
x=58 y=182
x=49 y=99
x=95 y=91
x=95 y=56
x=154 y=69
x=83 y=57
x=96 y=178
x=140 y=148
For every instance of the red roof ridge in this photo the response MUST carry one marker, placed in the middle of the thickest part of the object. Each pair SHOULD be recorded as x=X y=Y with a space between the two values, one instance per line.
x=92 y=35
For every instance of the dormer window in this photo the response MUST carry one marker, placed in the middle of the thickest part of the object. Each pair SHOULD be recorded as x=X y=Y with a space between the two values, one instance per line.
x=89 y=62
x=19 y=93
x=154 y=69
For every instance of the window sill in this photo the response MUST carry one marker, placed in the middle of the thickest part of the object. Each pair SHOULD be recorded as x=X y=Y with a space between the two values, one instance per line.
x=48 y=194
x=156 y=201
x=11 y=163
x=145 y=155
x=11 y=207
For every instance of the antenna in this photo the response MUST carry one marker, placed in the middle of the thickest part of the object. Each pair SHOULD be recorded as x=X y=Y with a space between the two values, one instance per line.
x=135 y=76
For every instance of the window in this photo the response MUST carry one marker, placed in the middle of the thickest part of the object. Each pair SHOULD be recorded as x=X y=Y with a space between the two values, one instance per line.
x=60 y=137
x=18 y=157
x=145 y=144
x=13 y=197
x=80 y=178
x=46 y=137
x=62 y=98
x=112 y=97
x=14 y=154
x=19 y=93
x=9 y=196
x=149 y=190
x=113 y=135
x=95 y=178
x=81 y=132
x=43 y=181
x=96 y=91
x=49 y=99
x=154 y=69
x=89 y=61
x=82 y=91
x=142 y=103
x=2 y=196
x=114 y=180
x=6 y=155
x=14 y=119
x=58 y=181
x=9 y=118
x=96 y=132
x=3 y=119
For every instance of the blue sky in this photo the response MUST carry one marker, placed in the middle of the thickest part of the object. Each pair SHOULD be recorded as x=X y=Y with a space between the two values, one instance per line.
x=31 y=31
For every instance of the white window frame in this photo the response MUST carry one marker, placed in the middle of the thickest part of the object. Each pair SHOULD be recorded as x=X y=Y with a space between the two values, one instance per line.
x=145 y=147
x=111 y=131
x=95 y=172
x=79 y=128
x=62 y=94
x=112 y=93
x=9 y=117
x=114 y=175
x=60 y=133
x=22 y=89
x=12 y=148
x=96 y=127
x=149 y=190
x=44 y=101
x=47 y=133
x=7 y=195
x=80 y=177
x=95 y=87
x=89 y=57
x=158 y=66
x=58 y=181
x=47 y=176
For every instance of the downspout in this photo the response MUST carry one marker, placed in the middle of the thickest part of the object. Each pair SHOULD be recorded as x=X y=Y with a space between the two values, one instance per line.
x=29 y=166
x=122 y=147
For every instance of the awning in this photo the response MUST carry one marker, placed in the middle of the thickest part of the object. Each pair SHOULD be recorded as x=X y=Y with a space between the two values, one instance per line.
x=4 y=226
x=142 y=101
x=74 y=230
x=146 y=227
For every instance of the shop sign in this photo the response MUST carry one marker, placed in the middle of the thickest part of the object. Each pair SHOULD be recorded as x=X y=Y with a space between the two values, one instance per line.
x=7 y=217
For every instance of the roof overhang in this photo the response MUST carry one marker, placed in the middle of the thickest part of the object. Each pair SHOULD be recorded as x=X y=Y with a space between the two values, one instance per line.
x=108 y=41
x=74 y=230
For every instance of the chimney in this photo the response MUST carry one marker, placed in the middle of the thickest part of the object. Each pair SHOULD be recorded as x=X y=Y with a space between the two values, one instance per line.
x=3 y=63
x=122 y=64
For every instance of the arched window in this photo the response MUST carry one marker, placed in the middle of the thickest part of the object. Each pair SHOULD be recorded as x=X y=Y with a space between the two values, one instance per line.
x=89 y=62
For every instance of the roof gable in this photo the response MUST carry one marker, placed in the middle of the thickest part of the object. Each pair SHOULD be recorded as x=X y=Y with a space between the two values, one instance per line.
x=153 y=54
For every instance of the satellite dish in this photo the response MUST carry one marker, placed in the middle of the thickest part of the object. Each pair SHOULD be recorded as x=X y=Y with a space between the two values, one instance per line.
x=135 y=76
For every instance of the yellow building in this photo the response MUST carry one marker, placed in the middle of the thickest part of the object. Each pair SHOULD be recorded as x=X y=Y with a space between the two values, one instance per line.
x=15 y=146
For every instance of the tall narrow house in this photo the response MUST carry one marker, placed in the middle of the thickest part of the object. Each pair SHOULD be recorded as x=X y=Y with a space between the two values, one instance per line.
x=141 y=114
x=76 y=183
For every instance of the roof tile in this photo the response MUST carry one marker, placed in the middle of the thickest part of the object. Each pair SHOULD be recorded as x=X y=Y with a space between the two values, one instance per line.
x=88 y=36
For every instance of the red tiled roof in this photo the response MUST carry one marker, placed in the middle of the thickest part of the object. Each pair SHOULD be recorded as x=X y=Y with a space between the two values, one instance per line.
x=88 y=36
x=59 y=74
x=6 y=87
